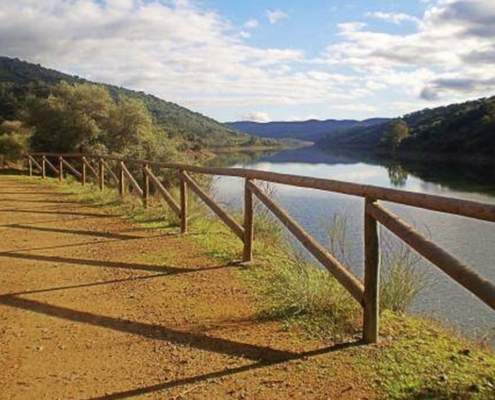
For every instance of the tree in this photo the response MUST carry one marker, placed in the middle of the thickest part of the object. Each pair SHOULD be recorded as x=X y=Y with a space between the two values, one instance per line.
x=85 y=118
x=8 y=103
x=129 y=127
x=489 y=113
x=397 y=132
x=71 y=119
x=14 y=137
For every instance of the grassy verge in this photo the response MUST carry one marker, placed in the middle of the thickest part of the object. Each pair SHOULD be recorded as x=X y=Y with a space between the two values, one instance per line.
x=416 y=359
x=420 y=359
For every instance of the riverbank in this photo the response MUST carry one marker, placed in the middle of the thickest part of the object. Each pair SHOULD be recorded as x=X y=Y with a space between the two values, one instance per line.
x=463 y=173
x=282 y=144
x=383 y=155
x=417 y=358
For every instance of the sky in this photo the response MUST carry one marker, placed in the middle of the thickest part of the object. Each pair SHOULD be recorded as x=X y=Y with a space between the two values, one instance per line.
x=267 y=60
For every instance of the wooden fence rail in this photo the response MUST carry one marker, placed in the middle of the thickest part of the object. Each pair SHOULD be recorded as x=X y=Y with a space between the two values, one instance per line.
x=226 y=218
x=110 y=171
x=349 y=281
x=164 y=192
x=71 y=168
x=367 y=293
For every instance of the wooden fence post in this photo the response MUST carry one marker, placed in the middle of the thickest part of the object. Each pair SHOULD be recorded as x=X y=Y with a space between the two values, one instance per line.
x=43 y=167
x=83 y=170
x=121 y=180
x=183 y=204
x=30 y=166
x=146 y=186
x=101 y=174
x=371 y=278
x=60 y=169
x=248 y=223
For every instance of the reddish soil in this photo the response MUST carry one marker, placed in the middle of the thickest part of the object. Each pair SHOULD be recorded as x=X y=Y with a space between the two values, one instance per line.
x=93 y=307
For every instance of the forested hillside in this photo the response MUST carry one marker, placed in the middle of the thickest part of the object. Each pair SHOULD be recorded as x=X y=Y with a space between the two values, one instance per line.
x=22 y=82
x=465 y=128
x=311 y=130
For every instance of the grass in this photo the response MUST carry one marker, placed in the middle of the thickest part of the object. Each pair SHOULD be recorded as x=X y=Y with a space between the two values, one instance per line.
x=156 y=216
x=295 y=291
x=403 y=274
x=420 y=359
x=286 y=286
x=417 y=358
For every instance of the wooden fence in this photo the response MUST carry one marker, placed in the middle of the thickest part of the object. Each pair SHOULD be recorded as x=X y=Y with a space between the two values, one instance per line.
x=367 y=293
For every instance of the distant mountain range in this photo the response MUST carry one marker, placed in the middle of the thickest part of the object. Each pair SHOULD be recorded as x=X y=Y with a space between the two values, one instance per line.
x=466 y=129
x=311 y=130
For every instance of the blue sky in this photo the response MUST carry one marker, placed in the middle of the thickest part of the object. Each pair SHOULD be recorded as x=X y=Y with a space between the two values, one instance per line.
x=267 y=60
x=310 y=25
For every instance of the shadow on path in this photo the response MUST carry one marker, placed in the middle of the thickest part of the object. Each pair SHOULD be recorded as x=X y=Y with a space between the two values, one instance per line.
x=44 y=221
x=92 y=284
x=264 y=355
x=42 y=201
x=17 y=210
x=152 y=331
x=225 y=372
x=89 y=243
x=109 y=235
x=112 y=264
x=39 y=193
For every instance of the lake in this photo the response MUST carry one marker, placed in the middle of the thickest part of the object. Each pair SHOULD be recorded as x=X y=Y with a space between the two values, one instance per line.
x=469 y=240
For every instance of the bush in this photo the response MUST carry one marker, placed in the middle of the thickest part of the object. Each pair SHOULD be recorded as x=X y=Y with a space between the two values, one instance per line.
x=14 y=139
x=266 y=226
x=297 y=291
x=85 y=118
x=401 y=277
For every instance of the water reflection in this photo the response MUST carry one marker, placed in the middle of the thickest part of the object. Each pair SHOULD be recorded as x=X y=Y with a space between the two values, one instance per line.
x=469 y=240
x=397 y=175
x=410 y=173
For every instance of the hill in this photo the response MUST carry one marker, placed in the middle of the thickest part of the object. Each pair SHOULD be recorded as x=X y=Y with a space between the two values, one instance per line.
x=311 y=130
x=18 y=79
x=461 y=129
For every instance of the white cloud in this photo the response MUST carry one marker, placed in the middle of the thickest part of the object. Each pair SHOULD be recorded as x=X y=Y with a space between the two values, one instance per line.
x=395 y=18
x=197 y=58
x=451 y=53
x=256 y=116
x=177 y=52
x=275 y=16
x=251 y=24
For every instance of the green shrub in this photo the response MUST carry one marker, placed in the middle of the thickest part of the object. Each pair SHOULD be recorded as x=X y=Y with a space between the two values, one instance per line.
x=295 y=290
x=402 y=276
x=14 y=139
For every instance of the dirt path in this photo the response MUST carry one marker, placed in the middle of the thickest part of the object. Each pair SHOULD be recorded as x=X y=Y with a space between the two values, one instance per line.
x=92 y=307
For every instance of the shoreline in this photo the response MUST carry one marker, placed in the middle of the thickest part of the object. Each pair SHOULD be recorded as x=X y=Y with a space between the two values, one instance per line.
x=254 y=149
x=467 y=159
